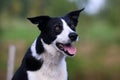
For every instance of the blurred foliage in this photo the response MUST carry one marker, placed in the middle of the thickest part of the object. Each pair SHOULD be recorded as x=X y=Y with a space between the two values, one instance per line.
x=111 y=13
x=98 y=54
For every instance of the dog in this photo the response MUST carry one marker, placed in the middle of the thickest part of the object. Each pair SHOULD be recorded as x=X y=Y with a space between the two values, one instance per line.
x=45 y=58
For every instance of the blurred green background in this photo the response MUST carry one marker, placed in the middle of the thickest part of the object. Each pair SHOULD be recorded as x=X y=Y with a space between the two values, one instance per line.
x=98 y=49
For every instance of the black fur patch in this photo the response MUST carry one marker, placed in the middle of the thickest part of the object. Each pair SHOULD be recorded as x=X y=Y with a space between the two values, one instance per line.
x=50 y=33
x=72 y=18
x=39 y=47
x=20 y=74
x=33 y=64
x=29 y=63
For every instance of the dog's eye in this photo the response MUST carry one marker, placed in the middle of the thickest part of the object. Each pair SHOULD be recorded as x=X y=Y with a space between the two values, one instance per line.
x=58 y=28
x=72 y=26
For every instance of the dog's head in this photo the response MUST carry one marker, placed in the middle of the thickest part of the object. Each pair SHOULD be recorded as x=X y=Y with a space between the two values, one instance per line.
x=59 y=32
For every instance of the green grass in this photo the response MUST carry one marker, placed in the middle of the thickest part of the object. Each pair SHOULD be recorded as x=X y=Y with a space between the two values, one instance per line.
x=100 y=31
x=19 y=30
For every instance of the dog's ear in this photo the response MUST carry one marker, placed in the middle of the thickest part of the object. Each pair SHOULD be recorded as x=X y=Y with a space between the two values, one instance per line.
x=74 y=15
x=39 y=19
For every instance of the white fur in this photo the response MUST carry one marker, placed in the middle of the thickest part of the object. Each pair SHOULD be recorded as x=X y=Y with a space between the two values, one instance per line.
x=33 y=50
x=49 y=71
x=54 y=65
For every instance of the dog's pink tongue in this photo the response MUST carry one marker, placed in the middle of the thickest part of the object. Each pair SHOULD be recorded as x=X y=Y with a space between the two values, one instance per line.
x=70 y=49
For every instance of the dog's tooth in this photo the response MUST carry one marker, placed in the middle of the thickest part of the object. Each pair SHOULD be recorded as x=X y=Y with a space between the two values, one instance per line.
x=61 y=45
x=62 y=48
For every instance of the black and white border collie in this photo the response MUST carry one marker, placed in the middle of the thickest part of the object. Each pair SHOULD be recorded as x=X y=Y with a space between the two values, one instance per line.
x=45 y=59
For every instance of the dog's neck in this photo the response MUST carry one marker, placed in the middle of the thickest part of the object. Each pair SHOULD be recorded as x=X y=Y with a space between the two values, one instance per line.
x=54 y=64
x=50 y=53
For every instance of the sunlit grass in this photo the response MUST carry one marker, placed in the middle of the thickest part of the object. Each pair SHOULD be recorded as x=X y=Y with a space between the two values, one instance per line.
x=19 y=30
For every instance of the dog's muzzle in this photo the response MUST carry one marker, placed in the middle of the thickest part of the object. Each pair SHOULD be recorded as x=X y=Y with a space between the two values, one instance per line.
x=68 y=48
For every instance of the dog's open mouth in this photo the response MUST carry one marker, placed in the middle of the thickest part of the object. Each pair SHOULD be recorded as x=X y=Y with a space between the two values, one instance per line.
x=68 y=48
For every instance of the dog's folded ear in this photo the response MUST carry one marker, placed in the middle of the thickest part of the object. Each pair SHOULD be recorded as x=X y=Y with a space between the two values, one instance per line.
x=39 y=19
x=74 y=15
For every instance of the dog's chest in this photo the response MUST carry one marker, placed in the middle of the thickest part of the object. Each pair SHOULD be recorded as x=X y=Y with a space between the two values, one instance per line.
x=49 y=71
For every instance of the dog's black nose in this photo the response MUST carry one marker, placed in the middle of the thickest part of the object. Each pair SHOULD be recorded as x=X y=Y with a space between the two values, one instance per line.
x=73 y=36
